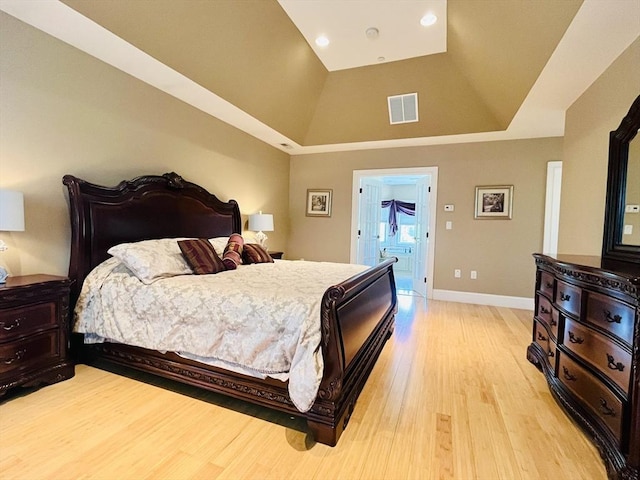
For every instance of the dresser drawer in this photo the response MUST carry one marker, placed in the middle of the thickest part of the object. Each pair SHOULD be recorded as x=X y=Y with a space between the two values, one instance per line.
x=568 y=297
x=612 y=315
x=544 y=309
x=541 y=337
x=548 y=315
x=602 y=353
x=595 y=396
x=20 y=321
x=30 y=352
x=547 y=282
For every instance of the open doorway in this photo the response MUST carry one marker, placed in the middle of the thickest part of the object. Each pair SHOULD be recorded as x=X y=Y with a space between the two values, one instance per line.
x=402 y=225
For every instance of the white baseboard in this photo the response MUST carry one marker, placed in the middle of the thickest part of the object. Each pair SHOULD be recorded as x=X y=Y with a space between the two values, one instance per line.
x=523 y=303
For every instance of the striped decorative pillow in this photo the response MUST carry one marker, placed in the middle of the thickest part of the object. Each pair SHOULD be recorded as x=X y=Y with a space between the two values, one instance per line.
x=254 y=253
x=201 y=256
x=232 y=256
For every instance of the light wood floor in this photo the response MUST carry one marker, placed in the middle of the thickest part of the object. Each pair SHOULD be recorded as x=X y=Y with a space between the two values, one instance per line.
x=451 y=397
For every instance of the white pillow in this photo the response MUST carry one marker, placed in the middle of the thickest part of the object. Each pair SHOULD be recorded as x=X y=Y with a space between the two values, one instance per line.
x=218 y=244
x=151 y=260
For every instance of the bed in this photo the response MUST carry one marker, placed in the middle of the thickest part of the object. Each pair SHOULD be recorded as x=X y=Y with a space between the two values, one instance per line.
x=356 y=315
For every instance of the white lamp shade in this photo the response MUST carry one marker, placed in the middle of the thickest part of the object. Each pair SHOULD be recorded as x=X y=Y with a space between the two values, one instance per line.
x=11 y=211
x=261 y=222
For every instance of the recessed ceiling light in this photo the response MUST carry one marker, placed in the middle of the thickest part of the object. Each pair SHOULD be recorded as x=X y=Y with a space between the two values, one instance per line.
x=372 y=32
x=322 y=41
x=428 y=19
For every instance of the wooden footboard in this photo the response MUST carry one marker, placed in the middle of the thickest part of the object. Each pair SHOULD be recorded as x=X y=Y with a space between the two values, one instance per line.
x=357 y=319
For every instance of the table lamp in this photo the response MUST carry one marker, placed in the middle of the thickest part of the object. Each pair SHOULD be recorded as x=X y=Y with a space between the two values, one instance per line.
x=11 y=219
x=261 y=222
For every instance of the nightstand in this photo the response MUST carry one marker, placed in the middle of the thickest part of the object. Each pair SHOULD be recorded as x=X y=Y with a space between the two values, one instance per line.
x=34 y=331
x=276 y=255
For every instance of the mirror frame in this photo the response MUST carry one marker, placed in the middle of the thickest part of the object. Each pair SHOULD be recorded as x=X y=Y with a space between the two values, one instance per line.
x=616 y=255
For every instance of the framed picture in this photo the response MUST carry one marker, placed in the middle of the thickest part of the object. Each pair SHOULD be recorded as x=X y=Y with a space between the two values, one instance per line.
x=319 y=203
x=494 y=202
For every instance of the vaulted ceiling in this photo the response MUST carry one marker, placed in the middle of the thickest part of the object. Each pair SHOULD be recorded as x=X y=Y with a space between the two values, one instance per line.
x=509 y=69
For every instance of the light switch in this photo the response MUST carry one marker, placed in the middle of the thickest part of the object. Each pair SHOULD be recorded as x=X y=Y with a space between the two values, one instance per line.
x=628 y=230
x=449 y=225
x=627 y=208
x=448 y=208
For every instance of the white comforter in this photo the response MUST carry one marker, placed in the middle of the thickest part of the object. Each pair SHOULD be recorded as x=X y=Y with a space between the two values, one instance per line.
x=261 y=320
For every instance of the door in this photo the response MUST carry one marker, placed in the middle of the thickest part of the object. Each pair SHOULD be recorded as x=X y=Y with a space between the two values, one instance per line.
x=369 y=221
x=552 y=208
x=359 y=223
x=422 y=235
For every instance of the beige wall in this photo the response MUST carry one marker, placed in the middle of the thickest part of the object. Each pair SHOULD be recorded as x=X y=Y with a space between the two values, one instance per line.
x=584 y=174
x=500 y=250
x=63 y=111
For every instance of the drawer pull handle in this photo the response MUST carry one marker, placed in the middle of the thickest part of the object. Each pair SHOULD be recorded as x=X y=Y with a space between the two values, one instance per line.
x=544 y=310
x=613 y=365
x=10 y=326
x=568 y=376
x=564 y=298
x=606 y=409
x=553 y=322
x=611 y=319
x=551 y=354
x=541 y=337
x=574 y=339
x=17 y=356
x=549 y=284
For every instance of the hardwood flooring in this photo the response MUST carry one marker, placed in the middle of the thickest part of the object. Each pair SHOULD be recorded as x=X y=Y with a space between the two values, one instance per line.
x=451 y=397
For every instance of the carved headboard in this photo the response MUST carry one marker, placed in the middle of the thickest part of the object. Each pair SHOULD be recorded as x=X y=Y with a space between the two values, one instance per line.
x=147 y=207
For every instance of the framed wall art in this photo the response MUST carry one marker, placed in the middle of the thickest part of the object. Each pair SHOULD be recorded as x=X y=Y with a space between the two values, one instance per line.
x=319 y=202
x=494 y=202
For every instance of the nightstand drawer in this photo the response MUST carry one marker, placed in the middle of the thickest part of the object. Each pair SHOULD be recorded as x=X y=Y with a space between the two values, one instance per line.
x=602 y=401
x=30 y=352
x=20 y=321
x=602 y=353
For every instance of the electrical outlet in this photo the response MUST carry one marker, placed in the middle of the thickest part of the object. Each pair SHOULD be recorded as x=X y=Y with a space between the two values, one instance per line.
x=474 y=275
x=457 y=273
x=448 y=208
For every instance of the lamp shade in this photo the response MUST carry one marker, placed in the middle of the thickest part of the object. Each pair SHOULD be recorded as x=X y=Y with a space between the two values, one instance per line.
x=261 y=222
x=11 y=211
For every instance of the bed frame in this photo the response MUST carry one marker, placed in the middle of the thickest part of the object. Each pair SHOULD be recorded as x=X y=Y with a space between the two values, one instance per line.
x=356 y=320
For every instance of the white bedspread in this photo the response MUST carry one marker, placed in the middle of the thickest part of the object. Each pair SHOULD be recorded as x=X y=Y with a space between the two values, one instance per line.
x=262 y=320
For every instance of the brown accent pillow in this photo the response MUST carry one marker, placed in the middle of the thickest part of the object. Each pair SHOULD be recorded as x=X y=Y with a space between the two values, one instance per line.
x=255 y=253
x=201 y=256
x=232 y=256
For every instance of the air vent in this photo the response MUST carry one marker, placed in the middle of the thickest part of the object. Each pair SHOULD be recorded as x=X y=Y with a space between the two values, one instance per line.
x=403 y=108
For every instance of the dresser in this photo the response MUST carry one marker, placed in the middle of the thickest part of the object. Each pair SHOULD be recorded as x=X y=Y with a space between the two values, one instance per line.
x=34 y=331
x=585 y=341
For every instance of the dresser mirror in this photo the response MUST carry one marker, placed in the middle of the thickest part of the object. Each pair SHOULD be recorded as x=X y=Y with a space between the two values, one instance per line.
x=621 y=242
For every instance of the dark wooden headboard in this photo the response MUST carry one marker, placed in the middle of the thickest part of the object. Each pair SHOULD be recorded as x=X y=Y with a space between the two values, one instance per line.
x=147 y=207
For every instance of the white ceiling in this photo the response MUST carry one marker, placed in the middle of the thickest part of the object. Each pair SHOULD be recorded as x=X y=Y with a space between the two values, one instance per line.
x=599 y=33
x=344 y=23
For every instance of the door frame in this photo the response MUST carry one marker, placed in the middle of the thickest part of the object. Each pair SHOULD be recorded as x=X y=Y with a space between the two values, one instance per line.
x=433 y=203
x=552 y=208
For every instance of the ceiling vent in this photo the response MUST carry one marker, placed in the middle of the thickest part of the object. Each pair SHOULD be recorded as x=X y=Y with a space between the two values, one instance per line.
x=403 y=108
